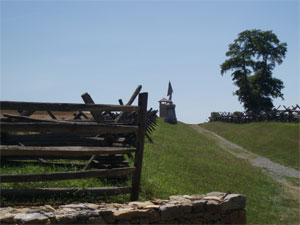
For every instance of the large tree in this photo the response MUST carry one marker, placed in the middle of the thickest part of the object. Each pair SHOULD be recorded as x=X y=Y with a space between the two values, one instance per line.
x=252 y=57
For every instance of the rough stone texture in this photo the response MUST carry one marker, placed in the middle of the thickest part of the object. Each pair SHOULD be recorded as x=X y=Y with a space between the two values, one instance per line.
x=198 y=205
x=31 y=218
x=170 y=211
x=212 y=208
x=233 y=201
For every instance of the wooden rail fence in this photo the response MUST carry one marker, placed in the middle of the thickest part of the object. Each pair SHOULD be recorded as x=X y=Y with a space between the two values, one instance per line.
x=288 y=114
x=100 y=140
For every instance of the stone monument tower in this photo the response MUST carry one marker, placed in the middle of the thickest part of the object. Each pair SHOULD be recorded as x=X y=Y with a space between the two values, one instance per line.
x=167 y=108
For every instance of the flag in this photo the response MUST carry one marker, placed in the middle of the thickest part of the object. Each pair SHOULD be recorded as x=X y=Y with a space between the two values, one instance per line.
x=170 y=90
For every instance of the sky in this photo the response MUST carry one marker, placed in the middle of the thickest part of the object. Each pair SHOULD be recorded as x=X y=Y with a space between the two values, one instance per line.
x=54 y=51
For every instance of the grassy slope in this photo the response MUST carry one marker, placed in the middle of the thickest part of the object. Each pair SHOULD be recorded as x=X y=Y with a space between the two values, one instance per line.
x=181 y=161
x=274 y=140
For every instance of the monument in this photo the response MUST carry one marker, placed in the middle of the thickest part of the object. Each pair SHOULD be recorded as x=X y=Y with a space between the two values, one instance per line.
x=167 y=108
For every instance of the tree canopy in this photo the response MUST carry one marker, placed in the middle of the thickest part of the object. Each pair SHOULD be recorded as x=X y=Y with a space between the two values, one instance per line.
x=252 y=57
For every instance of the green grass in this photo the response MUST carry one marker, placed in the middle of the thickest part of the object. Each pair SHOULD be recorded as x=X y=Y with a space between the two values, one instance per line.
x=82 y=183
x=181 y=161
x=76 y=183
x=274 y=140
x=293 y=180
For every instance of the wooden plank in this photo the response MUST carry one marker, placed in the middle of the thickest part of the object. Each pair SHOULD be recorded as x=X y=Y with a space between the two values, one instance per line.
x=94 y=164
x=97 y=117
x=138 y=160
x=85 y=116
x=78 y=115
x=51 y=137
x=29 y=119
x=14 y=150
x=65 y=191
x=131 y=100
x=89 y=162
x=149 y=138
x=69 y=127
x=96 y=114
x=101 y=173
x=100 y=159
x=67 y=107
x=52 y=115
x=41 y=163
x=134 y=95
x=26 y=112
x=80 y=142
x=51 y=140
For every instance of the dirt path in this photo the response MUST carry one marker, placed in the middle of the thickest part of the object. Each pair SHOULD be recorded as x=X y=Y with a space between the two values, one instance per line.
x=277 y=171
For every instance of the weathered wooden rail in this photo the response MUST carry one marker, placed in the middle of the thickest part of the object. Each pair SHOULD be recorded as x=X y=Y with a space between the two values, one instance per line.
x=288 y=114
x=101 y=141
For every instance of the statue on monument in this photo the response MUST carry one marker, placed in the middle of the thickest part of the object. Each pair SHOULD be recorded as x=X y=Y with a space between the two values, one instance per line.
x=170 y=91
x=170 y=107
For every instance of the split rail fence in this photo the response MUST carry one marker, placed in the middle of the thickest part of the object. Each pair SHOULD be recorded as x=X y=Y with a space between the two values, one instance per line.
x=288 y=114
x=100 y=142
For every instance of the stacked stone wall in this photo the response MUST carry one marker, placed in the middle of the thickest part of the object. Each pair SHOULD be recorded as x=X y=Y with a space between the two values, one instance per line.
x=212 y=208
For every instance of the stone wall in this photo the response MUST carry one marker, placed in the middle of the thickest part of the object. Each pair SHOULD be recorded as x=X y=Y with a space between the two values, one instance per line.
x=212 y=208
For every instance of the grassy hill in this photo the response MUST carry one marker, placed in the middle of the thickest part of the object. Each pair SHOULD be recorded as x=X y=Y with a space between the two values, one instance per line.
x=182 y=161
x=274 y=140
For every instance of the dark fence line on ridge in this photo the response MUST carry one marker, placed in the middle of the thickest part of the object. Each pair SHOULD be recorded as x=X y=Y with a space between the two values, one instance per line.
x=288 y=114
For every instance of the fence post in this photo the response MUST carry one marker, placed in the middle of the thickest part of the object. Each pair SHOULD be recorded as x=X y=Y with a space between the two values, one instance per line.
x=138 y=159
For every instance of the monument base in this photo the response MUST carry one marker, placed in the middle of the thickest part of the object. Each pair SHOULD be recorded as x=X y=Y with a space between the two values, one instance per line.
x=170 y=114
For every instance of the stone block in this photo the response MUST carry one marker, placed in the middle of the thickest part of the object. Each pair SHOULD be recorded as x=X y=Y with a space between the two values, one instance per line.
x=168 y=222
x=144 y=220
x=211 y=197
x=154 y=216
x=233 y=202
x=212 y=216
x=193 y=215
x=135 y=221
x=84 y=214
x=31 y=218
x=216 y=193
x=109 y=218
x=48 y=208
x=141 y=204
x=130 y=214
x=169 y=212
x=198 y=205
x=238 y=217
x=218 y=222
x=66 y=219
x=180 y=198
x=212 y=206
x=187 y=222
x=7 y=218
x=194 y=197
x=96 y=220
x=125 y=222
x=197 y=221
x=186 y=207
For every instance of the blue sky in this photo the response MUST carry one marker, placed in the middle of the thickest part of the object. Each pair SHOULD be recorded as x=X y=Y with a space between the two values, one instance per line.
x=53 y=51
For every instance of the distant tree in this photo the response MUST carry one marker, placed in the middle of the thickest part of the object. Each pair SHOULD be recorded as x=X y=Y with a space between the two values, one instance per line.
x=252 y=57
